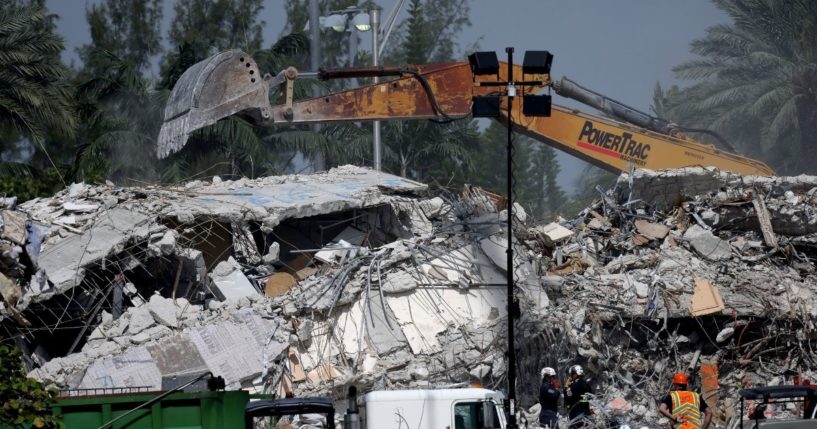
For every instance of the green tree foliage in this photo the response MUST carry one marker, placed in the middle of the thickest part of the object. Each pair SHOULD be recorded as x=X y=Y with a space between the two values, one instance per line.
x=756 y=80
x=334 y=45
x=425 y=150
x=550 y=199
x=128 y=29
x=23 y=401
x=535 y=171
x=121 y=115
x=208 y=26
x=34 y=92
x=592 y=179
x=428 y=150
x=35 y=99
x=429 y=34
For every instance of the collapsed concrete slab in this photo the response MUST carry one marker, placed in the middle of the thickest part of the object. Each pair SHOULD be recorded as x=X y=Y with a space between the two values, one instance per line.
x=65 y=261
x=632 y=290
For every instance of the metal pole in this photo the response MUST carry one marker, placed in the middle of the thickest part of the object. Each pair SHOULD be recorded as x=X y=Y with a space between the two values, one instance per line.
x=374 y=16
x=389 y=25
x=314 y=35
x=315 y=64
x=352 y=46
x=509 y=271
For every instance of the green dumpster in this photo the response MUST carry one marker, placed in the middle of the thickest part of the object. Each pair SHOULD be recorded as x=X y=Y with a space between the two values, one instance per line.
x=199 y=410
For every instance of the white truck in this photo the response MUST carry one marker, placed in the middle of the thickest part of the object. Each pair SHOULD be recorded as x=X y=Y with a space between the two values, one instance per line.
x=470 y=408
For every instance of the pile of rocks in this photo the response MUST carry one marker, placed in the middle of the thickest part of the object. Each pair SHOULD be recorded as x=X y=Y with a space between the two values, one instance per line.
x=305 y=285
x=690 y=270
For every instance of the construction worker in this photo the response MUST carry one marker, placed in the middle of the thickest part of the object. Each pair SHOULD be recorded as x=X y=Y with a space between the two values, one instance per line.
x=683 y=407
x=549 y=399
x=576 y=391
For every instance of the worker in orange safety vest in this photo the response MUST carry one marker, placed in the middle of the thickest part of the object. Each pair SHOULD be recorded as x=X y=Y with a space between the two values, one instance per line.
x=683 y=407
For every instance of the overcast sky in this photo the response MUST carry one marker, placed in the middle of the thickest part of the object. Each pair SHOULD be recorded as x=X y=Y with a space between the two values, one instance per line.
x=620 y=48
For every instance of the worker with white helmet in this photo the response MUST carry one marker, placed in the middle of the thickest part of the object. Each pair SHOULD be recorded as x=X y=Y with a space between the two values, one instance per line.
x=577 y=401
x=549 y=399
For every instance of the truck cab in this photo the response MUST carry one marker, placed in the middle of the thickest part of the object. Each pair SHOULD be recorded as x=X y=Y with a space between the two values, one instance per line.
x=804 y=396
x=471 y=408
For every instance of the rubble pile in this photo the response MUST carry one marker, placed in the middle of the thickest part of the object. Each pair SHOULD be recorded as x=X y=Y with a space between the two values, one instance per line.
x=292 y=284
x=690 y=270
x=304 y=285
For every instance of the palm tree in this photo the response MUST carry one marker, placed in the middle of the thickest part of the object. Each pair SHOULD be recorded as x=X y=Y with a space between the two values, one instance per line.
x=34 y=95
x=757 y=81
x=420 y=149
x=120 y=117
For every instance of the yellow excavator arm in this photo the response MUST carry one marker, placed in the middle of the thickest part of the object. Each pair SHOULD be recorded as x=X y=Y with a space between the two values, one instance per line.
x=230 y=83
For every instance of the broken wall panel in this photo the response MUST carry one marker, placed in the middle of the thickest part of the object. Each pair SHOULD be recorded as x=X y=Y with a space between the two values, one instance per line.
x=428 y=312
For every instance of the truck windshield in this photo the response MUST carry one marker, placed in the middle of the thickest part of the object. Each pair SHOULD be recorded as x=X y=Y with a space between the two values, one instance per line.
x=472 y=415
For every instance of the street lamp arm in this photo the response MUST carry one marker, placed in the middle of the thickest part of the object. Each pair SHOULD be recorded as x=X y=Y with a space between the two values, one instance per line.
x=388 y=26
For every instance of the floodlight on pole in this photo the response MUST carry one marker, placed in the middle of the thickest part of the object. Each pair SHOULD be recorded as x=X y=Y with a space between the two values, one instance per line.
x=336 y=22
x=361 y=21
x=486 y=63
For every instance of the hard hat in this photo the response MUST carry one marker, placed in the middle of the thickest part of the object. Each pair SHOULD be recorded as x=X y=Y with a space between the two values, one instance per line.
x=576 y=369
x=548 y=371
x=679 y=378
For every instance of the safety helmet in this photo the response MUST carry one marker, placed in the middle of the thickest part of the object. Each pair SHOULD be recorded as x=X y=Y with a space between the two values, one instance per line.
x=548 y=371
x=679 y=378
x=576 y=369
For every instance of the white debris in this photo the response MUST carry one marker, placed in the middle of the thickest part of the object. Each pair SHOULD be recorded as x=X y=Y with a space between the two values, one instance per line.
x=163 y=311
x=230 y=283
x=140 y=319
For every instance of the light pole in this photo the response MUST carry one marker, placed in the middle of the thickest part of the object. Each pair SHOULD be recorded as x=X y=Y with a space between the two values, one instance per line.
x=362 y=21
x=375 y=22
x=537 y=64
x=348 y=20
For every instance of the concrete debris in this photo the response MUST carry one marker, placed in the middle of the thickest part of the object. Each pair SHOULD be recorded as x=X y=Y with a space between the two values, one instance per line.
x=140 y=319
x=302 y=284
x=725 y=334
x=652 y=231
x=163 y=311
x=555 y=232
x=707 y=244
x=229 y=283
x=14 y=226
x=273 y=254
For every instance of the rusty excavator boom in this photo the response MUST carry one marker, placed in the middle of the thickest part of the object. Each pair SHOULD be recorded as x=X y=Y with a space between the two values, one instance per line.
x=230 y=83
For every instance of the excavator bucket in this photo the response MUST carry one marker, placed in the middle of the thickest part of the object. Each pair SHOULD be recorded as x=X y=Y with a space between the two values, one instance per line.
x=224 y=84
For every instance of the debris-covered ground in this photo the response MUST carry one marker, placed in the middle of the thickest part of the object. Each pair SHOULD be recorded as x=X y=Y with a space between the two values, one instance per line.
x=307 y=284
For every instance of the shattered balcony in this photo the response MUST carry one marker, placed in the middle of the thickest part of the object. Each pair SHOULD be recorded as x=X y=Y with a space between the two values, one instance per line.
x=304 y=285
